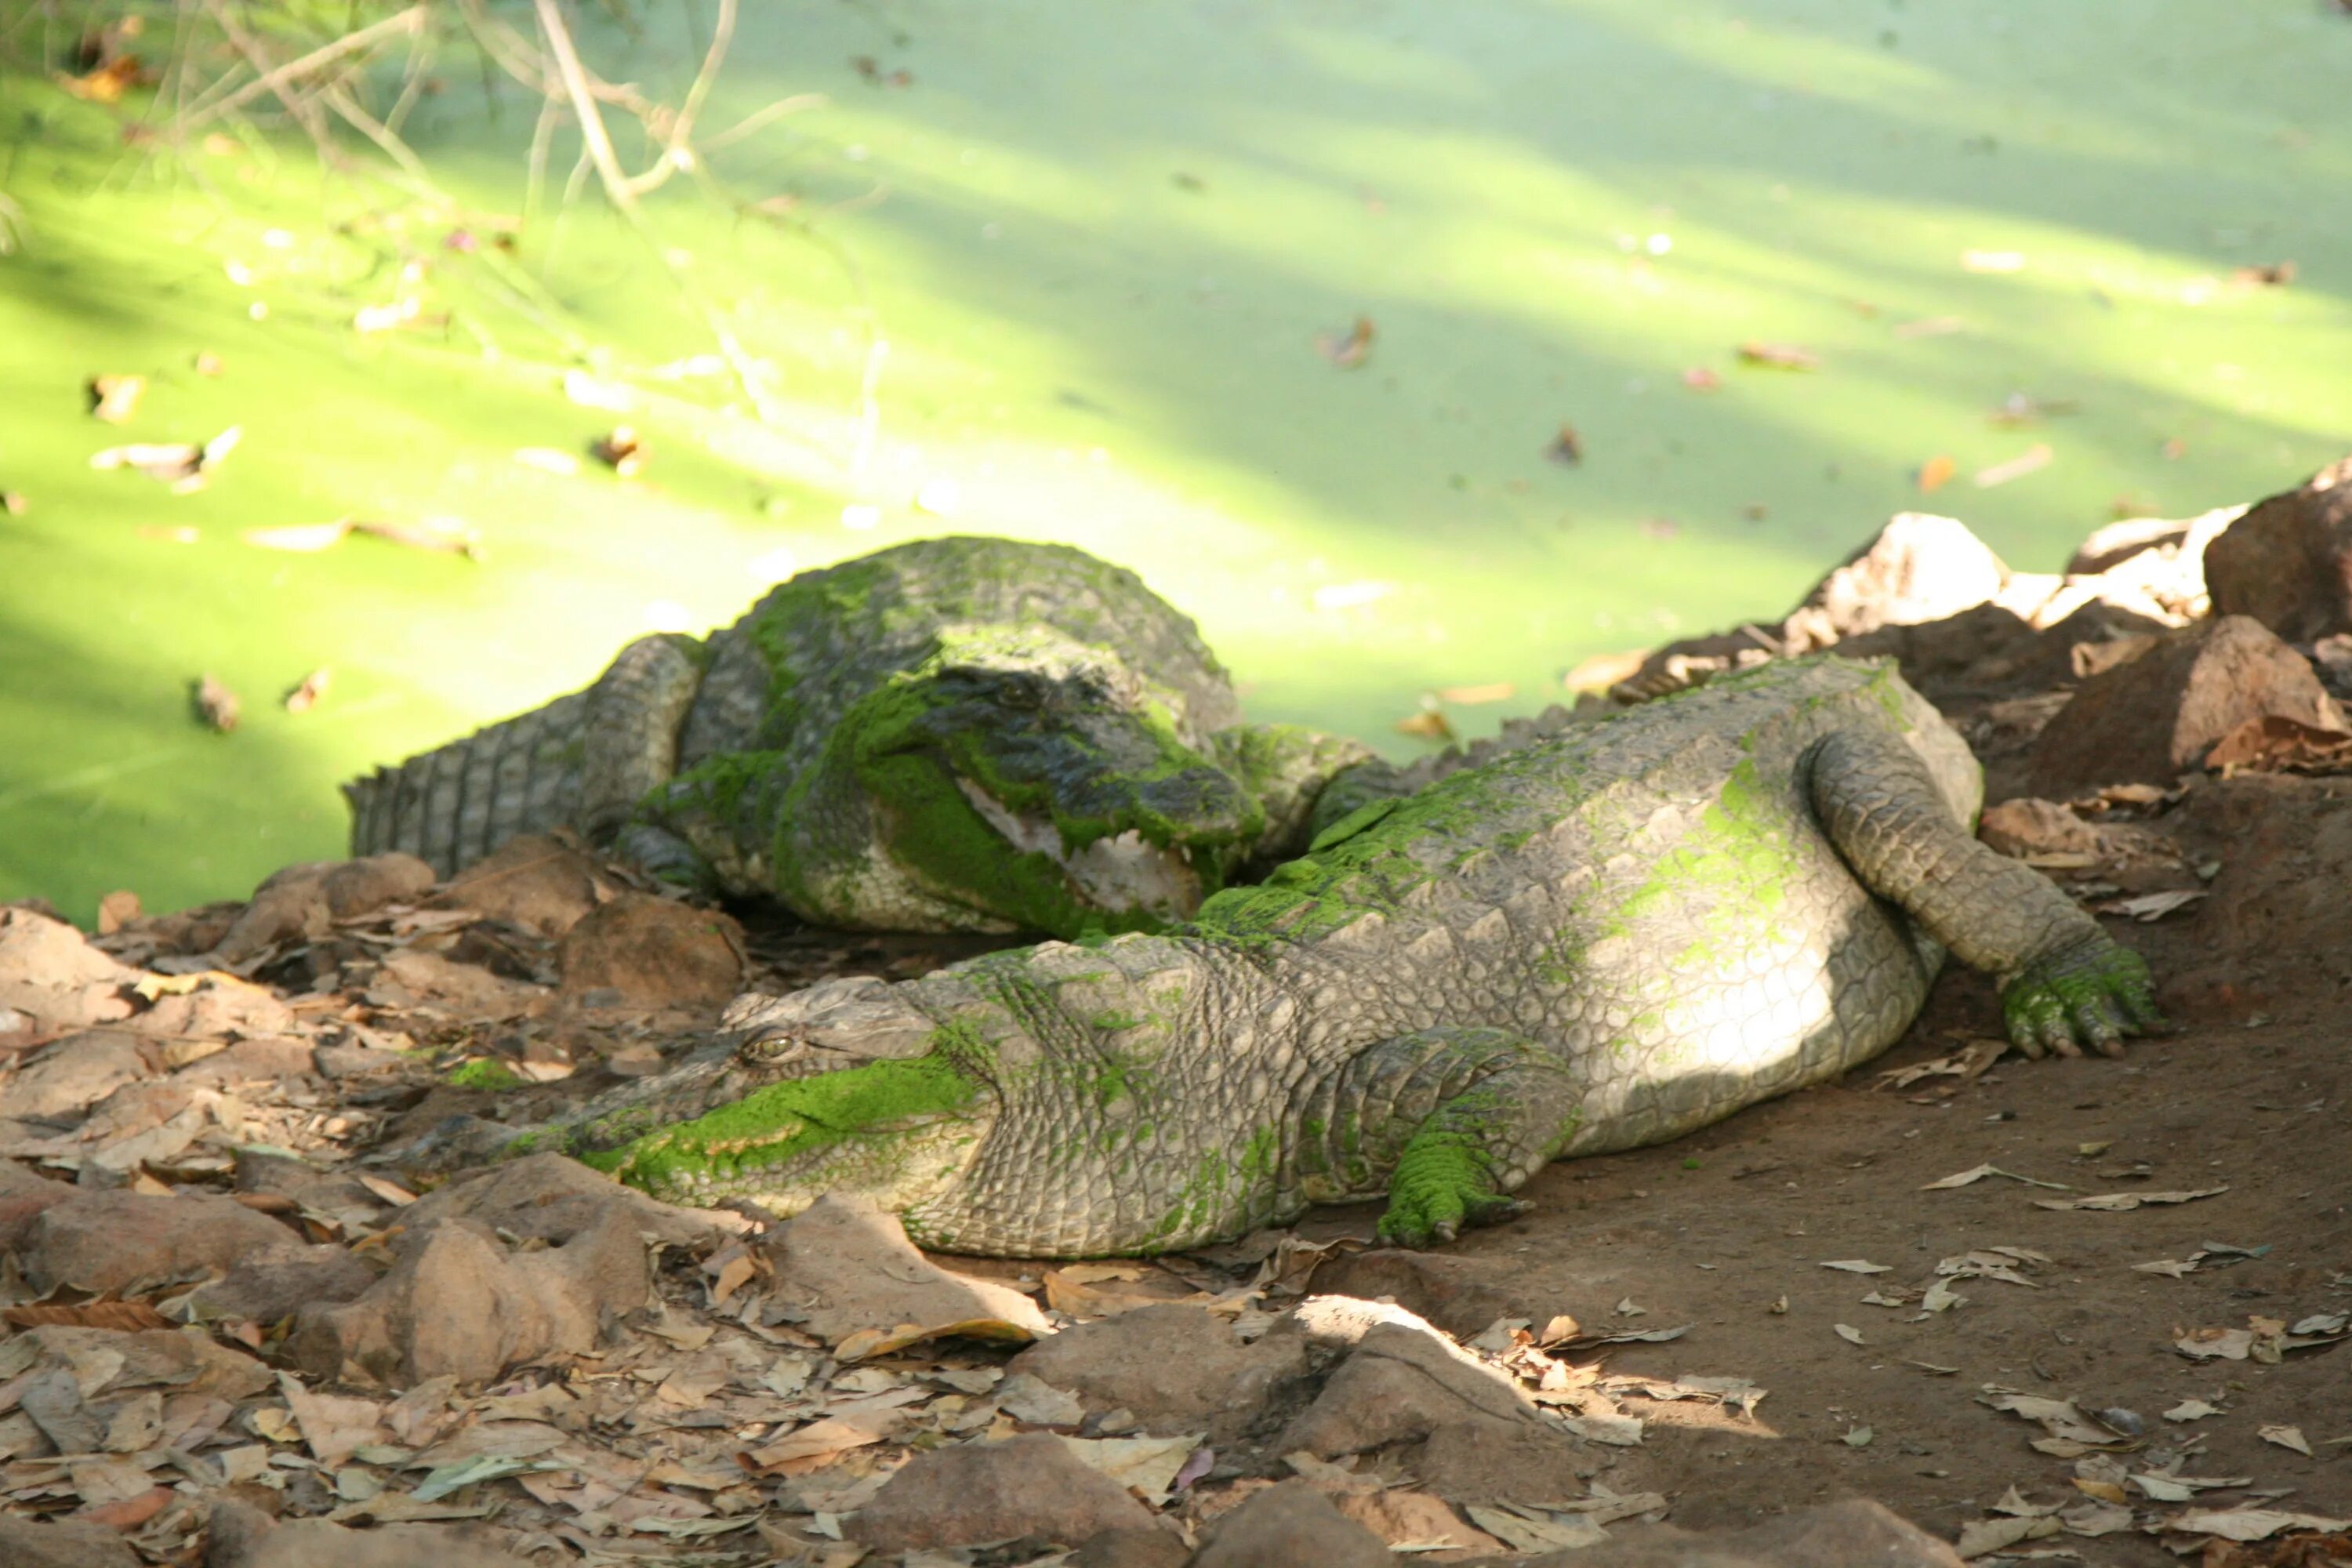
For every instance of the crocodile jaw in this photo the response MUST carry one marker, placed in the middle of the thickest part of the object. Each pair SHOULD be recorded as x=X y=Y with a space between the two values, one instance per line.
x=1124 y=874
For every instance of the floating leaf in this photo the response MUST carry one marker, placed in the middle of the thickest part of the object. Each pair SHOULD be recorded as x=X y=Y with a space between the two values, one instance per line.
x=309 y=692
x=216 y=704
x=621 y=451
x=114 y=397
x=1779 y=356
x=1350 y=350
x=1473 y=696
x=2037 y=456
x=1936 y=473
x=1567 y=447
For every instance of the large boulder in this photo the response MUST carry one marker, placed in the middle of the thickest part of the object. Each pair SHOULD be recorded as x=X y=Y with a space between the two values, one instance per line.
x=2288 y=560
x=2150 y=719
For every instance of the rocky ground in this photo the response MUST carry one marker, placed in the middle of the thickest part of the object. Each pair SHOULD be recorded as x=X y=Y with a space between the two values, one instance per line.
x=2067 y=1311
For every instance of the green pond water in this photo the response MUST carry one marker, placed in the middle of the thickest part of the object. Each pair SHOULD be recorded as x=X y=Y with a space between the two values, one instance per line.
x=1069 y=282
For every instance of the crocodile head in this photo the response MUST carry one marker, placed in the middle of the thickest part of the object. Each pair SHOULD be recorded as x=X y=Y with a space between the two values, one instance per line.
x=869 y=1097
x=1023 y=773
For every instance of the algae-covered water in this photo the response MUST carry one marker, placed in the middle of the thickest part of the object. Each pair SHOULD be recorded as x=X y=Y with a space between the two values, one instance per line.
x=1094 y=273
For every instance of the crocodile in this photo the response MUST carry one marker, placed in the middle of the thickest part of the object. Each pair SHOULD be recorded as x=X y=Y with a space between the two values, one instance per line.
x=953 y=734
x=1605 y=937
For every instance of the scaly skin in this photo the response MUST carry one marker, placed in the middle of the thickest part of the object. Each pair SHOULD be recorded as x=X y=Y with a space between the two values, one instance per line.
x=957 y=734
x=1606 y=937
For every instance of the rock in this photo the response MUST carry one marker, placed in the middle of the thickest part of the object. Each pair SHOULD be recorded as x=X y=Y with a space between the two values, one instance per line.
x=2287 y=562
x=1460 y=1295
x=50 y=973
x=24 y=1197
x=1493 y=1461
x=849 y=1266
x=2031 y=826
x=302 y=902
x=1288 y=1525
x=1919 y=568
x=656 y=953
x=107 y=1241
x=1397 y=1517
x=1177 y=1368
x=75 y=1073
x=1398 y=1385
x=1853 y=1532
x=458 y=1303
x=2154 y=718
x=540 y=884
x=243 y=1537
x=279 y=1282
x=1132 y=1546
x=971 y=1492
x=61 y=1543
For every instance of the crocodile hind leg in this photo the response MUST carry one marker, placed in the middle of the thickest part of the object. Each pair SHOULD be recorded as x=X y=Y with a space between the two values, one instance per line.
x=2065 y=983
x=1450 y=1121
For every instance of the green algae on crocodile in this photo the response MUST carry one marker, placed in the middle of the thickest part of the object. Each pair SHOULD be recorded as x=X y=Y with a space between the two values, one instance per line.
x=1608 y=936
x=957 y=734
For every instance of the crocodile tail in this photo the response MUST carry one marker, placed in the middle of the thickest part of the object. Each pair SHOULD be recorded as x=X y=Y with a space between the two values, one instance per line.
x=583 y=762
x=457 y=803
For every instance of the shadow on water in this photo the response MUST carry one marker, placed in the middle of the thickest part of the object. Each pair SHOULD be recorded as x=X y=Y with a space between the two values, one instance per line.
x=1100 y=245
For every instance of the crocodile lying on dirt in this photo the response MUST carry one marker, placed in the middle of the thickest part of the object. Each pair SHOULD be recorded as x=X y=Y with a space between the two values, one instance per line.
x=955 y=735
x=1602 y=938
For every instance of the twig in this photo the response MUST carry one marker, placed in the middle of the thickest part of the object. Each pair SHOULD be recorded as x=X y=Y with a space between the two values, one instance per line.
x=619 y=192
x=203 y=111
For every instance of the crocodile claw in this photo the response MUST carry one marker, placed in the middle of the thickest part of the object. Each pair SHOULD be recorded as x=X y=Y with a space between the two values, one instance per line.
x=2092 y=994
x=1433 y=1218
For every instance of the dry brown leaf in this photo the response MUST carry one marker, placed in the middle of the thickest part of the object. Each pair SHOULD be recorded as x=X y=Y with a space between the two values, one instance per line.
x=1936 y=473
x=1848 y=1332
x=114 y=398
x=2148 y=907
x=108 y=81
x=1779 y=356
x=2285 y=1437
x=2124 y=1202
x=129 y=1317
x=2274 y=743
x=1979 y=1173
x=2250 y=1523
x=869 y=1342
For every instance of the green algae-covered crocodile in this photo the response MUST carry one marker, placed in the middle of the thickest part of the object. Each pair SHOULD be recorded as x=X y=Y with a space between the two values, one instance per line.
x=955 y=735
x=1605 y=937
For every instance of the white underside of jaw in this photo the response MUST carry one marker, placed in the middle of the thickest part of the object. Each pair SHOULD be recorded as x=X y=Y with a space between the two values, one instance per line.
x=1125 y=873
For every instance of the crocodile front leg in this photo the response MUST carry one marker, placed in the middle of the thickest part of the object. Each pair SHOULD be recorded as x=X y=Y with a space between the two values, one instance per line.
x=2065 y=983
x=1450 y=1121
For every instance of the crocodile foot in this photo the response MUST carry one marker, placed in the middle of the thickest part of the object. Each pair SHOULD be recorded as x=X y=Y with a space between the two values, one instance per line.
x=1443 y=1186
x=2093 y=993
